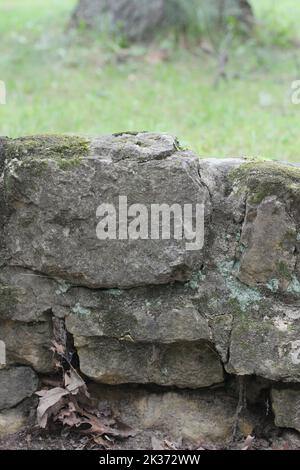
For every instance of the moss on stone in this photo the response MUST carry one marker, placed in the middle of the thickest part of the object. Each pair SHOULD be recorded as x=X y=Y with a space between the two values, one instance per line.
x=261 y=179
x=9 y=298
x=283 y=270
x=67 y=151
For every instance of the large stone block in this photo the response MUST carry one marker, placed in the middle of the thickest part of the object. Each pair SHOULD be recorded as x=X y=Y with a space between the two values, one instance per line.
x=160 y=314
x=266 y=343
x=269 y=240
x=196 y=417
x=53 y=187
x=143 y=335
x=185 y=365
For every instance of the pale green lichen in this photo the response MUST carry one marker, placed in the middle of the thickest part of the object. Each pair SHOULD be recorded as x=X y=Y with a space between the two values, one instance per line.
x=196 y=278
x=273 y=285
x=244 y=295
x=113 y=292
x=63 y=287
x=294 y=286
x=82 y=311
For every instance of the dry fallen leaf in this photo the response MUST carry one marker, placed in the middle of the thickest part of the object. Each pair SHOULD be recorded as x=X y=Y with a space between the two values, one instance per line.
x=72 y=406
x=50 y=401
x=73 y=381
x=248 y=442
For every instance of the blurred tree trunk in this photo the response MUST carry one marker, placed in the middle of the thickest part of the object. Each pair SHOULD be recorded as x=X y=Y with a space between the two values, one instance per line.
x=144 y=19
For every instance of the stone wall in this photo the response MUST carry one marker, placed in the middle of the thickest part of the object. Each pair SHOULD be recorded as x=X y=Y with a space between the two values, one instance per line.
x=165 y=334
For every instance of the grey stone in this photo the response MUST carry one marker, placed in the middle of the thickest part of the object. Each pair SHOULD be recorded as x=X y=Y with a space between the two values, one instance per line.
x=149 y=311
x=11 y=421
x=185 y=365
x=26 y=296
x=197 y=417
x=269 y=238
x=16 y=384
x=266 y=343
x=286 y=407
x=52 y=225
x=28 y=344
x=158 y=314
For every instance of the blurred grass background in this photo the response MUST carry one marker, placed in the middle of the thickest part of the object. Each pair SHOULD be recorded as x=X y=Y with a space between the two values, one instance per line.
x=77 y=82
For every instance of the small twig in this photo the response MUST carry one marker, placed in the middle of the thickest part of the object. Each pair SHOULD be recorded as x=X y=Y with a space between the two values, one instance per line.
x=242 y=404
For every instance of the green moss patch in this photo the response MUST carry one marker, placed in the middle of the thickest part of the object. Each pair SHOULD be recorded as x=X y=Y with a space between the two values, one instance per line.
x=67 y=151
x=9 y=297
x=262 y=179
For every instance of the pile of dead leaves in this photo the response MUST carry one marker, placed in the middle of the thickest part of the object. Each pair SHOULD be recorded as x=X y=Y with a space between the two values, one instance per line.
x=71 y=405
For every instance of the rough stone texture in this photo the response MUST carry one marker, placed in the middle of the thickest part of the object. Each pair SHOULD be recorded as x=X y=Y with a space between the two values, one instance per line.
x=152 y=314
x=28 y=343
x=270 y=257
x=266 y=345
x=11 y=421
x=148 y=311
x=268 y=247
x=286 y=407
x=57 y=209
x=196 y=417
x=16 y=384
x=186 y=365
x=26 y=296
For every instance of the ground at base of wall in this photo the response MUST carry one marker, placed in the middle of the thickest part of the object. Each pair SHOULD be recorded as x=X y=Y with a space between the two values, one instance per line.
x=61 y=439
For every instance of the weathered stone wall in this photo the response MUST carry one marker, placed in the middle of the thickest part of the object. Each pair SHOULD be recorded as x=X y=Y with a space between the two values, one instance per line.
x=191 y=324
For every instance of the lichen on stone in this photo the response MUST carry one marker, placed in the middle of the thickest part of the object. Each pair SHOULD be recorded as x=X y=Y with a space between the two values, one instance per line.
x=67 y=151
x=113 y=292
x=265 y=178
x=79 y=310
x=294 y=286
x=273 y=285
x=9 y=297
x=196 y=279
x=244 y=295
x=63 y=287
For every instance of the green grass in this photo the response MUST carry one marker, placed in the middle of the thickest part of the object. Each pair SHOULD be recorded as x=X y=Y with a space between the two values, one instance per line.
x=59 y=81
